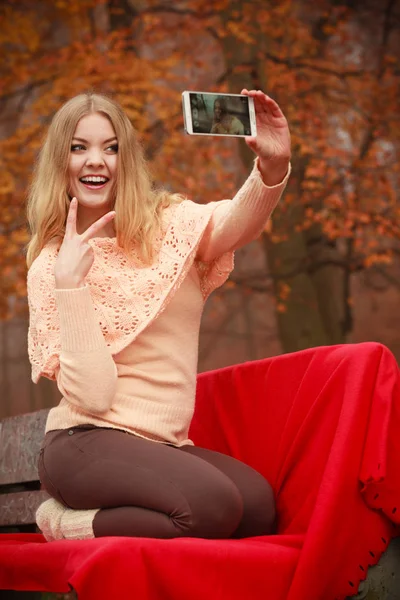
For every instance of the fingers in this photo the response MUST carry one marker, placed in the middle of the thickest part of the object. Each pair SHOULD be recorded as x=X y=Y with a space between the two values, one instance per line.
x=70 y=225
x=264 y=102
x=254 y=93
x=97 y=225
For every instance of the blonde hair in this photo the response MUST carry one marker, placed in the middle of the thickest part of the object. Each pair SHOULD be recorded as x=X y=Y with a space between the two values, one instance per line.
x=137 y=203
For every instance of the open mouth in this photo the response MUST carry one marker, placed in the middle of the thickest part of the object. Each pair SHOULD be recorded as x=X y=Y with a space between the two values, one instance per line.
x=94 y=182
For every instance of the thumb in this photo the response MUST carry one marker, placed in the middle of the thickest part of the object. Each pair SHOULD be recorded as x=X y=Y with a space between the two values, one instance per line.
x=252 y=143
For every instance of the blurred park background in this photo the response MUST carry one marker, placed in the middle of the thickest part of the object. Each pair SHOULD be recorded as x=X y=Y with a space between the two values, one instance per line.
x=327 y=268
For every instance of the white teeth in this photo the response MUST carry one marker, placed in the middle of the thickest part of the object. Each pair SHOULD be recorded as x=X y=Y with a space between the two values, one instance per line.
x=93 y=179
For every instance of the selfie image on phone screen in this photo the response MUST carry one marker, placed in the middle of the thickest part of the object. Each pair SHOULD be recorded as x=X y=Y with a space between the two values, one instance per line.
x=219 y=114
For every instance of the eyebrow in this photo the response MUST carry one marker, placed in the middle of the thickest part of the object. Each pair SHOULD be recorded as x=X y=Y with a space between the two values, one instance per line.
x=86 y=142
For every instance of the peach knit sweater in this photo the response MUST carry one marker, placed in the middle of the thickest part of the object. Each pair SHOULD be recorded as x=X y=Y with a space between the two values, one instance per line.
x=144 y=383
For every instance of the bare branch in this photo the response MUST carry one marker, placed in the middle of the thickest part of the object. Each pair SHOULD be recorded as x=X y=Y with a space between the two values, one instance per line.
x=392 y=280
x=164 y=8
x=299 y=63
x=26 y=89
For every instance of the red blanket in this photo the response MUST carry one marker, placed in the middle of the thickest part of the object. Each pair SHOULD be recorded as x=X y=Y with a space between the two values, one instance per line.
x=323 y=425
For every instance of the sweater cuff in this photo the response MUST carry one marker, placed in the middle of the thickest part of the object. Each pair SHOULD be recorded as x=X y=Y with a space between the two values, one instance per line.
x=257 y=173
x=255 y=195
x=79 y=327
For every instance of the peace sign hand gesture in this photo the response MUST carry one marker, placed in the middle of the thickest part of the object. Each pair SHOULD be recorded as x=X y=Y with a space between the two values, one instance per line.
x=76 y=256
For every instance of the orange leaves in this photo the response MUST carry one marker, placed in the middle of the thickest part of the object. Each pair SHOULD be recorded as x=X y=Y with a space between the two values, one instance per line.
x=315 y=174
x=10 y=250
x=343 y=117
x=334 y=201
x=77 y=6
x=384 y=258
x=316 y=169
x=277 y=238
x=19 y=237
x=268 y=226
x=284 y=291
x=310 y=184
x=16 y=30
x=282 y=297
x=364 y=218
x=7 y=183
x=329 y=29
x=236 y=29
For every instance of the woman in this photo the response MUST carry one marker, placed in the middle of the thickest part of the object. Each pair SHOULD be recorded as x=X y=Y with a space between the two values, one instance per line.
x=224 y=123
x=118 y=276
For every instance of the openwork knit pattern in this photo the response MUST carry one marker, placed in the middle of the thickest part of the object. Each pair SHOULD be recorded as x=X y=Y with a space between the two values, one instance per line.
x=126 y=295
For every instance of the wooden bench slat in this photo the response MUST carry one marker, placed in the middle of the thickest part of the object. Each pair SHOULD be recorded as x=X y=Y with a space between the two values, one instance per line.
x=20 y=508
x=20 y=440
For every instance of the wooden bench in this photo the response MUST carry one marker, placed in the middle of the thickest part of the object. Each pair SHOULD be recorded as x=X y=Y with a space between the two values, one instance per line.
x=20 y=496
x=20 y=493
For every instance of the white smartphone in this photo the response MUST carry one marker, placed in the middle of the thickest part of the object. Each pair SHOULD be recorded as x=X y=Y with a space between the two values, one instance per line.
x=207 y=113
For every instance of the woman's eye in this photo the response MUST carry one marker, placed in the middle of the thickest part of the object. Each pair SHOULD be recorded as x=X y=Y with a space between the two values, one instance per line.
x=78 y=147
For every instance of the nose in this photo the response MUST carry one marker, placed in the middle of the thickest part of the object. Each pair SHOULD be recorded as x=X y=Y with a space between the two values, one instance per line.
x=95 y=158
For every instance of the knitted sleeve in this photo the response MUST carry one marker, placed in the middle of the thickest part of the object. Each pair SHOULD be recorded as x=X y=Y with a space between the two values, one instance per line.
x=87 y=375
x=65 y=342
x=237 y=222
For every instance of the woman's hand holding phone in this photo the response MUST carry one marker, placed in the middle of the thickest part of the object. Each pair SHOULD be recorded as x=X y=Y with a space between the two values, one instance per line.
x=272 y=142
x=258 y=119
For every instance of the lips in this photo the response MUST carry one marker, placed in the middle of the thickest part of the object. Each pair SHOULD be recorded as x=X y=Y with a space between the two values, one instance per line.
x=94 y=182
x=94 y=186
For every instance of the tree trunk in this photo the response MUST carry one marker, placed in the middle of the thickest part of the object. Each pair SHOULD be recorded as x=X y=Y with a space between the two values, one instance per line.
x=314 y=312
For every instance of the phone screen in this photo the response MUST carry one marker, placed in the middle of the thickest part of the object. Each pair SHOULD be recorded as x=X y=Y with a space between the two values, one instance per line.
x=220 y=114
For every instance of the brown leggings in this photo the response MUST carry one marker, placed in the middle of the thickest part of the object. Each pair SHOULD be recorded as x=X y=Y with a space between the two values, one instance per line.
x=147 y=489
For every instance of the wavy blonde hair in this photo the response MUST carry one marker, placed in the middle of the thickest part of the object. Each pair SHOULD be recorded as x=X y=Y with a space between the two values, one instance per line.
x=137 y=203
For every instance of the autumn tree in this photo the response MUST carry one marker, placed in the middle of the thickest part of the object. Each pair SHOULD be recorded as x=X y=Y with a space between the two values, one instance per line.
x=335 y=72
x=332 y=67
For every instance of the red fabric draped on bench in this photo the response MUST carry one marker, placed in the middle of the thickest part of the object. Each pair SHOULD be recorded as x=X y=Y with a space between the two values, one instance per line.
x=323 y=425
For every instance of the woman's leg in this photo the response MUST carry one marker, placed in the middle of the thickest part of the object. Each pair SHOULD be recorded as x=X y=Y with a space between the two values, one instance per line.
x=257 y=494
x=144 y=489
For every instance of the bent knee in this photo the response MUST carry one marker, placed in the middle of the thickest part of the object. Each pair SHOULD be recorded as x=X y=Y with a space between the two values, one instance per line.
x=259 y=517
x=219 y=514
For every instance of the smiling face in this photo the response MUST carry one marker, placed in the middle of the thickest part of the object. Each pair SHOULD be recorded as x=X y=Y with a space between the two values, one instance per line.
x=217 y=110
x=92 y=168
